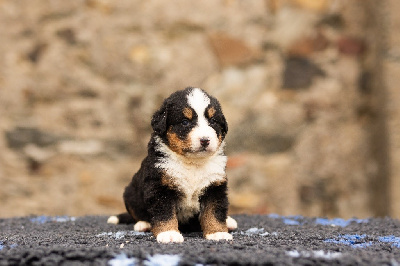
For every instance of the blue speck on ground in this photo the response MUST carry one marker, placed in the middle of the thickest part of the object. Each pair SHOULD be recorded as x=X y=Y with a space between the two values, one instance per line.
x=355 y=241
x=122 y=234
x=2 y=245
x=155 y=260
x=338 y=221
x=360 y=241
x=298 y=220
x=44 y=219
x=290 y=221
x=391 y=239
x=254 y=231
x=315 y=253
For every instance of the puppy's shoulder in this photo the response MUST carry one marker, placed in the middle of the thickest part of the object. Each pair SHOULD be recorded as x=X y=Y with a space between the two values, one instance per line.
x=148 y=169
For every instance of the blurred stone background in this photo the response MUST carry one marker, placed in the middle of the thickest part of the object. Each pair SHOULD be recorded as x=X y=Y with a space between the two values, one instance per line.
x=308 y=88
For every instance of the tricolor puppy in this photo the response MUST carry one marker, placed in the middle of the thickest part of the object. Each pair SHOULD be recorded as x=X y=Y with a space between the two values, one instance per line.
x=181 y=184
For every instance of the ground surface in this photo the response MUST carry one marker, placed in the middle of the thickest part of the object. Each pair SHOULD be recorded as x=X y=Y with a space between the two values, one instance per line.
x=269 y=239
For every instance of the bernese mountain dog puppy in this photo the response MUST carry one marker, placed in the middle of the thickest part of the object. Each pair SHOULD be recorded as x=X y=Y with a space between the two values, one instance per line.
x=181 y=185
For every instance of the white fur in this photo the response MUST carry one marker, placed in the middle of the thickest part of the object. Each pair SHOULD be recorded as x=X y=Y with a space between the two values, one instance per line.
x=113 y=220
x=231 y=223
x=142 y=226
x=199 y=101
x=169 y=236
x=219 y=236
x=191 y=175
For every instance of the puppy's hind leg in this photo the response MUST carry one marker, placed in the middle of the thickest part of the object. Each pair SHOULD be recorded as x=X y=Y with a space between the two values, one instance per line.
x=142 y=226
x=123 y=218
x=231 y=223
x=126 y=218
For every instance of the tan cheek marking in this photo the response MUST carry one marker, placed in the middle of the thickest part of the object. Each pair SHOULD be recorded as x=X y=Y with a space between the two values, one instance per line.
x=170 y=225
x=219 y=140
x=211 y=112
x=177 y=145
x=166 y=180
x=209 y=223
x=188 y=113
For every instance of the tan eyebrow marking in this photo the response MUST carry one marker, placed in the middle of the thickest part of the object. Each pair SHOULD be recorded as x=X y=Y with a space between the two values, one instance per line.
x=188 y=113
x=211 y=112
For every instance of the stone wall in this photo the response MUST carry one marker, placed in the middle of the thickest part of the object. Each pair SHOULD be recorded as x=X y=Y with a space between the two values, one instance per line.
x=79 y=81
x=390 y=71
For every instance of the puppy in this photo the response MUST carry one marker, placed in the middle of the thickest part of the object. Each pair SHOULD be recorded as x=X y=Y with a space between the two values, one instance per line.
x=181 y=184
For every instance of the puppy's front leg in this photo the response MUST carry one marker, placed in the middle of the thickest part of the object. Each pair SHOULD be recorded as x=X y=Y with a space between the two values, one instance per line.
x=213 y=212
x=167 y=231
x=164 y=223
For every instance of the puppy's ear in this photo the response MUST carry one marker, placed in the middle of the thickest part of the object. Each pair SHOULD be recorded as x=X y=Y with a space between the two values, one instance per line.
x=159 y=121
x=224 y=126
x=221 y=118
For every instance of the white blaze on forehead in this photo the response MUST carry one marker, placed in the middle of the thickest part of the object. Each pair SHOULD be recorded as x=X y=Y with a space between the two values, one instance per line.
x=198 y=100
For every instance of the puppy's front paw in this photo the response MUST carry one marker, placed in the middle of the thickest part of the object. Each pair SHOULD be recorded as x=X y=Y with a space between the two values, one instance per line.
x=169 y=236
x=142 y=226
x=219 y=236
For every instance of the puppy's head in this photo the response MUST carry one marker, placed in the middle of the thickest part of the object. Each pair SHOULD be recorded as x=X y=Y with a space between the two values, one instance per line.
x=191 y=123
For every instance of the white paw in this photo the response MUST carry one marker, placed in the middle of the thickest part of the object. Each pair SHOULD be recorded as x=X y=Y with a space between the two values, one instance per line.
x=113 y=220
x=170 y=236
x=231 y=223
x=142 y=226
x=219 y=236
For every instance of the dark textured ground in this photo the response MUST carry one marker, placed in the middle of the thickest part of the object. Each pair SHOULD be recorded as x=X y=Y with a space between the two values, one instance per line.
x=259 y=240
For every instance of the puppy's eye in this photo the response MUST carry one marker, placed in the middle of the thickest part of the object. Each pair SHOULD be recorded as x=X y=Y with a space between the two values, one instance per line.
x=185 y=122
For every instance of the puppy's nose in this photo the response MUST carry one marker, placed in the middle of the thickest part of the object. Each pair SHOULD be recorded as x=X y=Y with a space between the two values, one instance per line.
x=204 y=142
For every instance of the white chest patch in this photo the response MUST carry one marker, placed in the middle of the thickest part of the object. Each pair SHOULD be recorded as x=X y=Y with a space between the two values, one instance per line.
x=191 y=176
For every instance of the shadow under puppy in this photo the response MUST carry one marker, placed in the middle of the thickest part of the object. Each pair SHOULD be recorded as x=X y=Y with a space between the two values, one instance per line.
x=181 y=184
